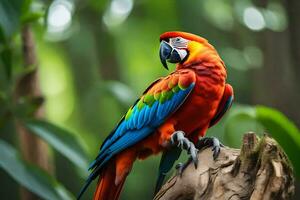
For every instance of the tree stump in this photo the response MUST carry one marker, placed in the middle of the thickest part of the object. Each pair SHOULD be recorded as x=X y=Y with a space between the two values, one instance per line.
x=259 y=171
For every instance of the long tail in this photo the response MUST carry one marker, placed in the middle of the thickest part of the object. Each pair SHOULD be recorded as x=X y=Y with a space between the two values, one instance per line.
x=106 y=188
x=111 y=176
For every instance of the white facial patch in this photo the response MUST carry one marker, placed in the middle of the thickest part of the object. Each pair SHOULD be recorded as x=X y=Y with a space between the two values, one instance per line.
x=178 y=42
x=182 y=53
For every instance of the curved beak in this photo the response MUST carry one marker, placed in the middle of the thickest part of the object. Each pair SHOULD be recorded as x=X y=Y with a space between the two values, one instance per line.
x=164 y=53
x=170 y=54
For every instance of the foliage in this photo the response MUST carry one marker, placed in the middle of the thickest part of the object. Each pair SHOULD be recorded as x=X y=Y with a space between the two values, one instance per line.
x=264 y=120
x=283 y=130
x=61 y=140
x=30 y=176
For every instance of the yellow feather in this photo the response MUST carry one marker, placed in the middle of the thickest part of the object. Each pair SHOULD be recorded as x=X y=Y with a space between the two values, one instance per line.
x=195 y=49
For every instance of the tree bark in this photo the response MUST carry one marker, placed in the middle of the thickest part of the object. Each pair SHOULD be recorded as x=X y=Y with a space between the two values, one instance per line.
x=33 y=149
x=259 y=171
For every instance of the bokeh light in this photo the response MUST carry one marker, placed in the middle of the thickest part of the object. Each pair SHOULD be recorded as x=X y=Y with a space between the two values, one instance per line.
x=117 y=12
x=59 y=19
x=253 y=56
x=254 y=19
x=222 y=17
x=234 y=58
x=275 y=17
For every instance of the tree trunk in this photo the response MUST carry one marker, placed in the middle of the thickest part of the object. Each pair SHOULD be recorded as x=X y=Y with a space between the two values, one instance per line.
x=279 y=75
x=33 y=149
x=292 y=8
x=259 y=171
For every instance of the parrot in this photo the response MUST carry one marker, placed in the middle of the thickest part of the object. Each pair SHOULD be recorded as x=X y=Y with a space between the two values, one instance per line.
x=171 y=115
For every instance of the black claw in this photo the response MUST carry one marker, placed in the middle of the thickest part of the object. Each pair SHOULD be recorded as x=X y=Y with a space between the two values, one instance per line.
x=193 y=152
x=195 y=163
x=210 y=142
x=216 y=152
x=179 y=169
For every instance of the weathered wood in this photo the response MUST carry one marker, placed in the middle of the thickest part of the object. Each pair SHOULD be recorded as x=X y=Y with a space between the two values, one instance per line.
x=259 y=171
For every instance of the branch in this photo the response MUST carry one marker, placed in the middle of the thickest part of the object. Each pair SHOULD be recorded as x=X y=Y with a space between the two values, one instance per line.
x=259 y=171
x=33 y=148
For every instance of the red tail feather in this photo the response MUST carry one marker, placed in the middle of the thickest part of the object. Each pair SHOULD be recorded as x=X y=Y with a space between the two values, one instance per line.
x=106 y=187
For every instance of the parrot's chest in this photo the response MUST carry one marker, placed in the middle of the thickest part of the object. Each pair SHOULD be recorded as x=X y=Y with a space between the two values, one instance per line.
x=201 y=106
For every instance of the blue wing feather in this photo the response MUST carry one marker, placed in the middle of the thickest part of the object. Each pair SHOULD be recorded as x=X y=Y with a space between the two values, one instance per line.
x=153 y=110
x=128 y=139
x=147 y=117
x=141 y=118
x=140 y=124
x=138 y=121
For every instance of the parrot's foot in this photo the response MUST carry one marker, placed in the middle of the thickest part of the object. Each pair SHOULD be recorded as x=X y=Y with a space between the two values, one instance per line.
x=201 y=144
x=210 y=142
x=178 y=139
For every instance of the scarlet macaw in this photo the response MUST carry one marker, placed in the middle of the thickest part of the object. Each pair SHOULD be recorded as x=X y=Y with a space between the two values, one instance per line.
x=172 y=114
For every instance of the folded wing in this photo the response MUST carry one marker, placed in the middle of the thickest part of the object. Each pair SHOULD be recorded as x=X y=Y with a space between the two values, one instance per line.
x=158 y=102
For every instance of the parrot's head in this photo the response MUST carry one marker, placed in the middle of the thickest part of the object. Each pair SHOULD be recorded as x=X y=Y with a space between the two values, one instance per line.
x=186 y=49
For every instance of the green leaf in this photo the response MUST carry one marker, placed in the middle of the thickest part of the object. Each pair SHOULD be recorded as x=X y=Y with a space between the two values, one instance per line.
x=120 y=91
x=2 y=36
x=26 y=6
x=63 y=141
x=31 y=17
x=27 y=106
x=283 y=130
x=240 y=119
x=32 y=11
x=29 y=176
x=6 y=57
x=10 y=13
x=261 y=119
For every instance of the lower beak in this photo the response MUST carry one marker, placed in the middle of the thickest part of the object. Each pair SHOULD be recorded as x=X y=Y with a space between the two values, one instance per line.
x=165 y=53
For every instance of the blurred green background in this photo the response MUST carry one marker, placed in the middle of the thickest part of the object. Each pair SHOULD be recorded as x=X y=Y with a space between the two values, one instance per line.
x=95 y=57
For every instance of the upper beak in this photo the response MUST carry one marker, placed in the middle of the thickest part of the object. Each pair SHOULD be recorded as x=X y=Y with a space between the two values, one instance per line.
x=165 y=53
x=170 y=54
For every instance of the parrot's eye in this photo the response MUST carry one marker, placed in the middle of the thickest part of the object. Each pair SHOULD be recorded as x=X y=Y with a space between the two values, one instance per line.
x=178 y=42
